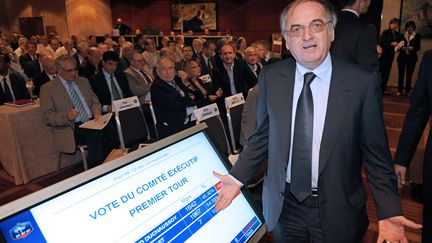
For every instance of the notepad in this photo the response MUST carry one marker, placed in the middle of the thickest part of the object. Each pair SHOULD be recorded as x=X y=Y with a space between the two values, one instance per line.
x=99 y=124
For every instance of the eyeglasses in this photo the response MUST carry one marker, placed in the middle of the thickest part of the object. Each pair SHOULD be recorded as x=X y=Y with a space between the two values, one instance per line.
x=139 y=60
x=171 y=68
x=72 y=70
x=315 y=26
x=195 y=67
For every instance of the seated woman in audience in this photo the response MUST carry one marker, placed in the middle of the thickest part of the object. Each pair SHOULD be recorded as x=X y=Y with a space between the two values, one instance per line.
x=200 y=91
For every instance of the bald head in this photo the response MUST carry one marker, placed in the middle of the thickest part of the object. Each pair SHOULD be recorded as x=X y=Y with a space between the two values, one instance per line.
x=48 y=64
x=94 y=56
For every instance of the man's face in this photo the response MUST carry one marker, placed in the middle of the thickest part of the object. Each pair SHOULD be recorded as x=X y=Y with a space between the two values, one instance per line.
x=92 y=41
x=31 y=49
x=394 y=26
x=166 y=70
x=68 y=72
x=94 y=57
x=49 y=66
x=227 y=54
x=364 y=5
x=210 y=50
x=309 y=49
x=110 y=66
x=251 y=57
x=150 y=45
x=54 y=44
x=187 y=53
x=262 y=50
x=137 y=61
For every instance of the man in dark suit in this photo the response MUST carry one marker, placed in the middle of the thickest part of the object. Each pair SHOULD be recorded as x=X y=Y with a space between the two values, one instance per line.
x=108 y=84
x=92 y=64
x=49 y=73
x=318 y=118
x=170 y=99
x=81 y=54
x=12 y=85
x=206 y=58
x=415 y=122
x=30 y=54
x=389 y=39
x=233 y=75
x=66 y=102
x=355 y=39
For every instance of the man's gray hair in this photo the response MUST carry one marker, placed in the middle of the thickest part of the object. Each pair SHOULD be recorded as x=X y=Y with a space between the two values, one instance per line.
x=328 y=10
x=61 y=60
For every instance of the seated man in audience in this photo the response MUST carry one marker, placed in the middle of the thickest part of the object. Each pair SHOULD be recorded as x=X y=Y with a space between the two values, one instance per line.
x=251 y=58
x=13 y=85
x=233 y=75
x=170 y=100
x=66 y=102
x=140 y=44
x=151 y=55
x=263 y=48
x=177 y=52
x=42 y=44
x=125 y=51
x=30 y=54
x=197 y=45
x=139 y=80
x=32 y=68
x=49 y=73
x=108 y=84
x=53 y=46
x=22 y=46
x=207 y=59
x=67 y=48
x=81 y=54
x=187 y=56
x=92 y=42
x=91 y=66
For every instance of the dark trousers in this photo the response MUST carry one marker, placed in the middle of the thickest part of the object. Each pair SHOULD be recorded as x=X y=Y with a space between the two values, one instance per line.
x=386 y=62
x=299 y=222
x=409 y=66
x=99 y=142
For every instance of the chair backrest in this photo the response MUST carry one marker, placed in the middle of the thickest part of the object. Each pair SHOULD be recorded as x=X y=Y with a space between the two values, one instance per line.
x=234 y=106
x=215 y=128
x=131 y=125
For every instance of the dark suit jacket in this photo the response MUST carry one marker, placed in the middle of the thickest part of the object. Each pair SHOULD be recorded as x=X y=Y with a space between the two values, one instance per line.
x=32 y=68
x=386 y=38
x=39 y=81
x=353 y=132
x=18 y=88
x=415 y=123
x=101 y=89
x=203 y=64
x=87 y=70
x=25 y=58
x=169 y=106
x=355 y=41
x=412 y=55
x=244 y=79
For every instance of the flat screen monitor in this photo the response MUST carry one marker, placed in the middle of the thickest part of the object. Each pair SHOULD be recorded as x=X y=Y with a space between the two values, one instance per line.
x=162 y=193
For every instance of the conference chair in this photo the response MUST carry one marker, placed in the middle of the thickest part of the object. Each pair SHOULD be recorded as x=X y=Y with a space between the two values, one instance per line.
x=150 y=114
x=131 y=124
x=234 y=106
x=215 y=128
x=83 y=150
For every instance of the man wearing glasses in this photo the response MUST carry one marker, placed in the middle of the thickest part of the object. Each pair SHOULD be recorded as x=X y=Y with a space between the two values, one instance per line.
x=66 y=102
x=318 y=119
x=139 y=80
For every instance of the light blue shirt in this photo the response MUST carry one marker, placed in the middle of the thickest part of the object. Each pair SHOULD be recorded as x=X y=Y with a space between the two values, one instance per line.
x=320 y=87
x=230 y=71
x=81 y=97
x=108 y=80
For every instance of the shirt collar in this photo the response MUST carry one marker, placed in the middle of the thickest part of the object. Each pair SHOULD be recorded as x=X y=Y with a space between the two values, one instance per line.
x=107 y=75
x=352 y=11
x=229 y=67
x=319 y=71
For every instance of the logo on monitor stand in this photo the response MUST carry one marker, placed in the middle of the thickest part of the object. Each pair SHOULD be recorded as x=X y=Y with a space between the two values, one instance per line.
x=21 y=230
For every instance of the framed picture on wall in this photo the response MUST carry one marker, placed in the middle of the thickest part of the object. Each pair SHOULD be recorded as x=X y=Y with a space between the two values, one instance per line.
x=194 y=16
x=419 y=11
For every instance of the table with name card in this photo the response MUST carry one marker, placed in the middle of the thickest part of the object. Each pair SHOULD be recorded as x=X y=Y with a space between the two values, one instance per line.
x=27 y=146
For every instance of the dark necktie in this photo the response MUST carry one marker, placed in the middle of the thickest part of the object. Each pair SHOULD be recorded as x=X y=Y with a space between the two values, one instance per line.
x=7 y=94
x=209 y=67
x=116 y=94
x=301 y=161
x=146 y=77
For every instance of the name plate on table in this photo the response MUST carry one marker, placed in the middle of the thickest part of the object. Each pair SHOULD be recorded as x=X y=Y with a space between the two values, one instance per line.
x=206 y=112
x=234 y=100
x=206 y=78
x=124 y=104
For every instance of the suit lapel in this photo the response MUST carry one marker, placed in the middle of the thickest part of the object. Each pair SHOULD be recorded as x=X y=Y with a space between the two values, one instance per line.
x=62 y=92
x=338 y=103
